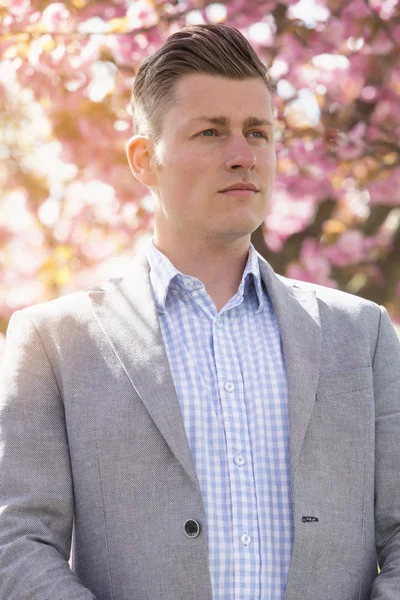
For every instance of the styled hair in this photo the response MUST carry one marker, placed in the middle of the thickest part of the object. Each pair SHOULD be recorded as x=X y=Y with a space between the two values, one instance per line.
x=209 y=49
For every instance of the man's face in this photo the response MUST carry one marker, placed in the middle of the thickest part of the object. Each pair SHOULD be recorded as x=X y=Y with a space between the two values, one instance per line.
x=218 y=133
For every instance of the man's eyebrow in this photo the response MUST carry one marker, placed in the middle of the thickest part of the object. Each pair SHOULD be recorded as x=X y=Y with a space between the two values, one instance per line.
x=225 y=122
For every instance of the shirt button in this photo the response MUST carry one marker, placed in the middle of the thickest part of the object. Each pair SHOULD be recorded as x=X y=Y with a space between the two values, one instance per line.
x=245 y=539
x=188 y=284
x=219 y=323
x=229 y=387
x=239 y=460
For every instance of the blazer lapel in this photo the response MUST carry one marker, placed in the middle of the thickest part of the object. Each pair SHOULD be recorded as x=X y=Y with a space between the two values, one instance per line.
x=128 y=316
x=297 y=313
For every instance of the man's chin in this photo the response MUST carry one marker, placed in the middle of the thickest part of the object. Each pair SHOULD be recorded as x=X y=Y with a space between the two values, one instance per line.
x=243 y=227
x=232 y=234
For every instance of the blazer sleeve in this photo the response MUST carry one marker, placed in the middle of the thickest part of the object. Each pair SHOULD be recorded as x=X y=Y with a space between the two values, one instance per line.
x=386 y=369
x=36 y=498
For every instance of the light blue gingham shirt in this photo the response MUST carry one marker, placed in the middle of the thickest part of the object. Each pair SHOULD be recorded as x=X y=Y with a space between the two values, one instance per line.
x=229 y=374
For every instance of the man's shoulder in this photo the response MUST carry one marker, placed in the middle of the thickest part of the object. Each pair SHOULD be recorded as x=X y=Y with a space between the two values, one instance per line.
x=336 y=302
x=74 y=307
x=328 y=296
x=326 y=293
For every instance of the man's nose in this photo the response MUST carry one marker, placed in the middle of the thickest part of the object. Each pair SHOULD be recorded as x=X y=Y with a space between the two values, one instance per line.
x=240 y=154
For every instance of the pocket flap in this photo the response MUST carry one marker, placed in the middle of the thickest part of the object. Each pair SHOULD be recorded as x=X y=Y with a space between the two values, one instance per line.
x=344 y=383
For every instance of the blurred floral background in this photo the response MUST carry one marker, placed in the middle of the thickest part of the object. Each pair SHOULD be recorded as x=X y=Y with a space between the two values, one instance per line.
x=71 y=214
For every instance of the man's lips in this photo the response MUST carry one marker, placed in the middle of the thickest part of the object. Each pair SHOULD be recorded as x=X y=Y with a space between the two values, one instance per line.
x=241 y=190
x=240 y=193
x=249 y=187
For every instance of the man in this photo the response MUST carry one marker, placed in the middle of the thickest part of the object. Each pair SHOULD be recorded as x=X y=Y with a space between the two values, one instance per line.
x=206 y=428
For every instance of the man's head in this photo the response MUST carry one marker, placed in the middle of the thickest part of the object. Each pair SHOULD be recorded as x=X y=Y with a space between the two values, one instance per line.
x=203 y=118
x=207 y=49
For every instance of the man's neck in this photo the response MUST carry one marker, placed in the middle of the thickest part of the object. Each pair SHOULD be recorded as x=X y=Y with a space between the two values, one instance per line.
x=219 y=268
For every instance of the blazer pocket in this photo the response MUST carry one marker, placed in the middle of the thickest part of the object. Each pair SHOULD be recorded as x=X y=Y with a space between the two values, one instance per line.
x=344 y=383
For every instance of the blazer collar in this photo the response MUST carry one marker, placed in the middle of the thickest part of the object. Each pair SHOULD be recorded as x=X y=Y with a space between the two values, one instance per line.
x=127 y=314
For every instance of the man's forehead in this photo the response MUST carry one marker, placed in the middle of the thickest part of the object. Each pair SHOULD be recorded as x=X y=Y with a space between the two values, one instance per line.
x=202 y=98
x=224 y=121
x=206 y=91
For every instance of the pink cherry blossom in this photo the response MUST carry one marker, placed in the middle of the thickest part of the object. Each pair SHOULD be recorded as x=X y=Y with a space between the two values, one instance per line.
x=55 y=17
x=19 y=7
x=313 y=266
x=349 y=249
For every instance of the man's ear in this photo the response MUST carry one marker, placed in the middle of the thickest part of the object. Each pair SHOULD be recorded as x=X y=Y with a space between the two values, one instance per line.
x=139 y=151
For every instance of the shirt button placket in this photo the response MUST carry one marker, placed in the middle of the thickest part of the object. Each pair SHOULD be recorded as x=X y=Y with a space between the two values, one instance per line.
x=219 y=323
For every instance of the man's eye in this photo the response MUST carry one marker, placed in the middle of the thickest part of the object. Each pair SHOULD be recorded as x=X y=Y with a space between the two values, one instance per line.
x=208 y=132
x=259 y=134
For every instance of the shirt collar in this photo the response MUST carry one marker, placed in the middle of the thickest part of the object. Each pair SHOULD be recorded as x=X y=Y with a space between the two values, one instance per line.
x=252 y=268
x=163 y=272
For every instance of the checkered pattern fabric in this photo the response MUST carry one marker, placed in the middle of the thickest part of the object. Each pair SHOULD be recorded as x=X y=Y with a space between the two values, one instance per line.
x=229 y=374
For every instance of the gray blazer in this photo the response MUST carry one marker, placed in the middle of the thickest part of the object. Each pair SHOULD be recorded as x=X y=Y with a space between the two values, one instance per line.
x=92 y=442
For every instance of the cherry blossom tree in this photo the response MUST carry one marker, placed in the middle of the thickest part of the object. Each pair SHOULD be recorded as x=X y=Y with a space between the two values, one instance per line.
x=71 y=214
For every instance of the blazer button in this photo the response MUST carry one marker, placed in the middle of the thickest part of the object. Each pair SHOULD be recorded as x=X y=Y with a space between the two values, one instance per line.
x=191 y=528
